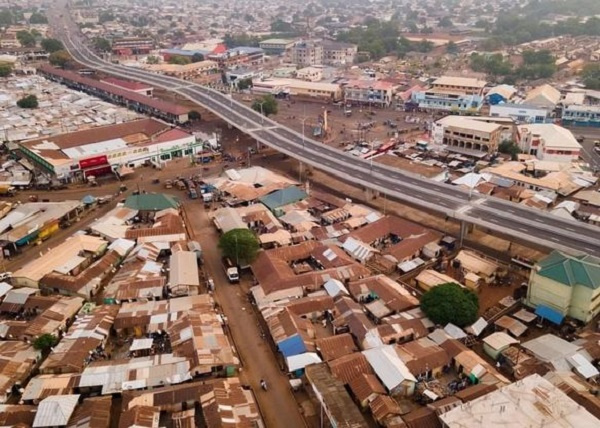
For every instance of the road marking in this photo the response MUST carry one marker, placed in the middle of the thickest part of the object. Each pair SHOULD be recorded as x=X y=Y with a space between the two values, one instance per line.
x=570 y=228
x=522 y=229
x=554 y=238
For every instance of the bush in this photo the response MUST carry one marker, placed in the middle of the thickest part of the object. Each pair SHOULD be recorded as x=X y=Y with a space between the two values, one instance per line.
x=450 y=303
x=29 y=101
x=5 y=70
x=45 y=342
x=267 y=105
x=59 y=58
x=52 y=45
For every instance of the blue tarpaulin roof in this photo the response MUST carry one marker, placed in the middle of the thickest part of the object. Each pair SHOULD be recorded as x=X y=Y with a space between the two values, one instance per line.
x=550 y=314
x=88 y=200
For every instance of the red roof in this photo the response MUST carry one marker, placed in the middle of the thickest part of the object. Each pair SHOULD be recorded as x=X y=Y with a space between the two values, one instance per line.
x=127 y=84
x=163 y=106
x=171 y=135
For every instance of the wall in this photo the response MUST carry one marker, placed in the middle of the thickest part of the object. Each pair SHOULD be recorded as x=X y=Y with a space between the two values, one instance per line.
x=547 y=292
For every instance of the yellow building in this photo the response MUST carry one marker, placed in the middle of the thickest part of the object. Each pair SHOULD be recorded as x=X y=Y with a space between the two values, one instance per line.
x=566 y=284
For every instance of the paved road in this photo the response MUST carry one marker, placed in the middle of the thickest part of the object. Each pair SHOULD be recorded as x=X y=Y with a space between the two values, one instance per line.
x=278 y=405
x=497 y=215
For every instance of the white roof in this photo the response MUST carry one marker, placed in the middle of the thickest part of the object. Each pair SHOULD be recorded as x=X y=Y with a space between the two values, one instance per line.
x=477 y=327
x=530 y=402
x=122 y=246
x=454 y=331
x=297 y=362
x=550 y=347
x=4 y=288
x=55 y=410
x=499 y=340
x=139 y=344
x=388 y=366
x=358 y=249
x=95 y=148
x=334 y=287
x=583 y=366
x=554 y=136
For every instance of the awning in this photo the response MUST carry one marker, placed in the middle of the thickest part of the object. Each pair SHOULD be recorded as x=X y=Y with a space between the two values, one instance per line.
x=550 y=314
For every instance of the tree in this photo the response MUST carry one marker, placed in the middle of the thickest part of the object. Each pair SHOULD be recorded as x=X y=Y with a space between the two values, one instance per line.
x=106 y=17
x=450 y=303
x=194 y=115
x=451 y=47
x=244 y=84
x=509 y=147
x=445 y=22
x=197 y=57
x=25 y=38
x=591 y=76
x=28 y=101
x=179 y=60
x=38 y=18
x=152 y=59
x=59 y=58
x=5 y=70
x=239 y=245
x=280 y=26
x=101 y=44
x=6 y=18
x=52 y=45
x=266 y=105
x=45 y=342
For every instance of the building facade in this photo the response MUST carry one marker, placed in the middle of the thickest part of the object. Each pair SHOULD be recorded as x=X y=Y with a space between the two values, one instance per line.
x=337 y=53
x=522 y=113
x=452 y=93
x=132 y=45
x=549 y=142
x=580 y=115
x=461 y=134
x=369 y=92
x=306 y=53
x=567 y=284
x=276 y=46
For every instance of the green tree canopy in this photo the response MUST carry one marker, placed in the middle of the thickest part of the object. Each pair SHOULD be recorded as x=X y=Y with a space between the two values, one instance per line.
x=509 y=147
x=106 y=17
x=194 y=115
x=197 y=57
x=494 y=65
x=52 y=45
x=591 y=76
x=239 y=245
x=28 y=101
x=59 y=58
x=266 y=105
x=244 y=84
x=5 y=70
x=45 y=342
x=241 y=39
x=280 y=26
x=451 y=47
x=38 y=18
x=102 y=44
x=179 y=60
x=445 y=22
x=6 y=18
x=152 y=59
x=25 y=38
x=450 y=303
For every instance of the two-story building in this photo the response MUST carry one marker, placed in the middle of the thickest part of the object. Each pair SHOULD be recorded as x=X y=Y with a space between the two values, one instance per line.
x=549 y=142
x=465 y=135
x=369 y=92
x=581 y=115
x=451 y=93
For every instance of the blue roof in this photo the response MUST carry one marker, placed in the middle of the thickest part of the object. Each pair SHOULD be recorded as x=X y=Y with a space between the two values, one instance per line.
x=549 y=314
x=186 y=53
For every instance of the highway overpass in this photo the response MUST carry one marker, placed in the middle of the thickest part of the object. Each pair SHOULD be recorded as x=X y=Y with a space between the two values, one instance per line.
x=519 y=222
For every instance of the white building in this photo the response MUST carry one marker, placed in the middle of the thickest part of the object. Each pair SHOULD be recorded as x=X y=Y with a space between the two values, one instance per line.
x=549 y=142
x=522 y=113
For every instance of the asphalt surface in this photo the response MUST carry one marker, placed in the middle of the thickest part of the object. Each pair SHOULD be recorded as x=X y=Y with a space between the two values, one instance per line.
x=523 y=223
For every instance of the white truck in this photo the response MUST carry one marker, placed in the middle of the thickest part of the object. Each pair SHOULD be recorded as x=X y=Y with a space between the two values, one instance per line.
x=231 y=270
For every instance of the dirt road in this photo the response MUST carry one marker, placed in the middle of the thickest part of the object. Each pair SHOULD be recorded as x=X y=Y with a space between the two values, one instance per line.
x=278 y=405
